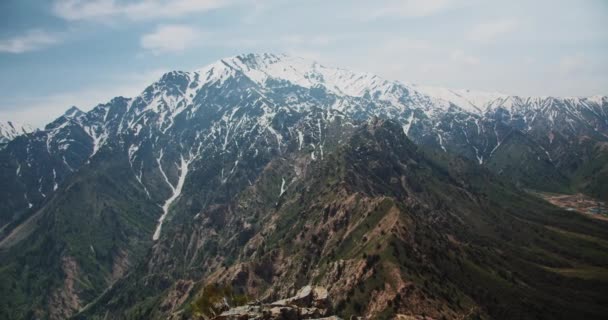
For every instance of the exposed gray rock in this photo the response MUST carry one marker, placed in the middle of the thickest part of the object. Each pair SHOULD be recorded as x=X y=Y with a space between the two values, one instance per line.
x=310 y=302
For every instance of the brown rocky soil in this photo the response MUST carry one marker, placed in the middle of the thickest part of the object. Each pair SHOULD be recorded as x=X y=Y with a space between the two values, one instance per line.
x=64 y=301
x=578 y=203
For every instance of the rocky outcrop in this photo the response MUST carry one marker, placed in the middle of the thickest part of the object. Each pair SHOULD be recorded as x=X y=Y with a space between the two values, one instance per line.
x=64 y=301
x=310 y=302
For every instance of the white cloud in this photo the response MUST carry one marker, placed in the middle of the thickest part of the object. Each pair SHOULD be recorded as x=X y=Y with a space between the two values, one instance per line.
x=40 y=110
x=492 y=30
x=415 y=60
x=133 y=10
x=30 y=41
x=409 y=8
x=171 y=38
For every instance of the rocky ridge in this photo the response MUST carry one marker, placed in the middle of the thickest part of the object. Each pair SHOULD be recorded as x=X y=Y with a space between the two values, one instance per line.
x=310 y=302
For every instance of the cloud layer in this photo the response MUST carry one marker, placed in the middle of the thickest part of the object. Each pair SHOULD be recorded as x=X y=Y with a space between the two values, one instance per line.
x=543 y=47
x=171 y=38
x=137 y=10
x=31 y=40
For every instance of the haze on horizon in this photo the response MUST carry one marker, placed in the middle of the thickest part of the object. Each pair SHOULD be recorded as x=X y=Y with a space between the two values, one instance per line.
x=72 y=52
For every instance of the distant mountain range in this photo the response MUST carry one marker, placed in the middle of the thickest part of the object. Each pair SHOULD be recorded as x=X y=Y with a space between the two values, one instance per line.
x=268 y=172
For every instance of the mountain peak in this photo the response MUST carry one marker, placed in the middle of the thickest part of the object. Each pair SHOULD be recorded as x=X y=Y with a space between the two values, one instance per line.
x=73 y=112
x=254 y=59
x=307 y=73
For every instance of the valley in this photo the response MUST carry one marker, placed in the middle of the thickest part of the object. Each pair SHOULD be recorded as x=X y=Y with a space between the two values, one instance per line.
x=578 y=202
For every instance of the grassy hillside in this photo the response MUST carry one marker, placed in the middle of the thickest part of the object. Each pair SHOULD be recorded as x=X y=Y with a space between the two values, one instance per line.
x=389 y=229
x=80 y=242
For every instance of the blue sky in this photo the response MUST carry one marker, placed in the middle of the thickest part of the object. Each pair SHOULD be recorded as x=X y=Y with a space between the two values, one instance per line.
x=58 y=53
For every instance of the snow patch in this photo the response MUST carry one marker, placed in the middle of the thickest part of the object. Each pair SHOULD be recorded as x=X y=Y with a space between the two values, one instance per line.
x=282 y=187
x=177 y=190
x=40 y=188
x=406 y=127
x=441 y=142
x=54 y=180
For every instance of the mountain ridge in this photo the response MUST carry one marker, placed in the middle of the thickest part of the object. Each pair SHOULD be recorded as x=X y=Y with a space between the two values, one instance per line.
x=426 y=119
x=354 y=223
x=128 y=184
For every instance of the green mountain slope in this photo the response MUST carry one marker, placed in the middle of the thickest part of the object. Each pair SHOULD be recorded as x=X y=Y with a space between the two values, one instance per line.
x=252 y=176
x=389 y=229
x=525 y=164
x=80 y=242
x=592 y=177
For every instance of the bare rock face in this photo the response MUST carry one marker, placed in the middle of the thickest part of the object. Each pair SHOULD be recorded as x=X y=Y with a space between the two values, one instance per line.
x=65 y=299
x=310 y=302
x=308 y=296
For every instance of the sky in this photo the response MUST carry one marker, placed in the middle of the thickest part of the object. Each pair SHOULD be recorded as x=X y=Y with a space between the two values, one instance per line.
x=59 y=53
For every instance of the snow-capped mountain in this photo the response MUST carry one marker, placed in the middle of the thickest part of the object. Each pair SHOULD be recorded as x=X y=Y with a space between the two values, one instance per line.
x=249 y=103
x=10 y=129
x=472 y=101
x=137 y=167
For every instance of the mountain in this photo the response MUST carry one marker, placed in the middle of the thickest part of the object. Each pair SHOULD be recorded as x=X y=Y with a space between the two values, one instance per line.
x=204 y=175
x=9 y=130
x=470 y=100
x=469 y=123
x=388 y=228
x=36 y=164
